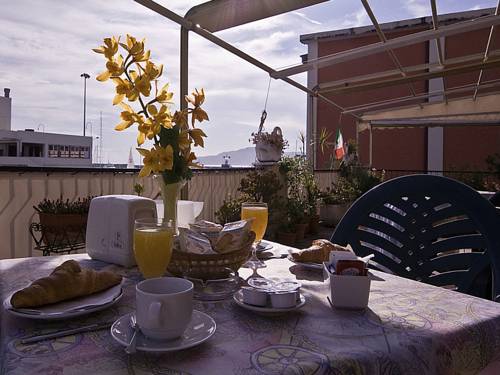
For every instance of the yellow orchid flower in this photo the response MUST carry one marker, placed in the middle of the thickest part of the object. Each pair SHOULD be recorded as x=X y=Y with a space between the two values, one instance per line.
x=199 y=115
x=123 y=88
x=184 y=140
x=142 y=57
x=196 y=98
x=197 y=136
x=180 y=118
x=153 y=71
x=113 y=69
x=165 y=158
x=143 y=85
x=110 y=47
x=133 y=47
x=163 y=117
x=150 y=161
x=128 y=117
x=190 y=160
x=164 y=96
x=155 y=121
x=156 y=160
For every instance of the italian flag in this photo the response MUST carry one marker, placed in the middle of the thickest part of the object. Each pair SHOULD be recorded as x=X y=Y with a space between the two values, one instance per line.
x=339 y=146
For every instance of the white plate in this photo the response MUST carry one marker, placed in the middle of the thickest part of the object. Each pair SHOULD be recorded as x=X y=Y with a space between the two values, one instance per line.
x=238 y=298
x=199 y=330
x=69 y=309
x=313 y=266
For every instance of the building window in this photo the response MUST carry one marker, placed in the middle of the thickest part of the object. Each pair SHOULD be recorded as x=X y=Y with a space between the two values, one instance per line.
x=32 y=150
x=62 y=151
x=74 y=151
x=53 y=151
x=85 y=152
x=8 y=149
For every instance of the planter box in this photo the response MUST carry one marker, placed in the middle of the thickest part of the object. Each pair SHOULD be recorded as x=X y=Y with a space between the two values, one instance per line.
x=63 y=229
x=331 y=214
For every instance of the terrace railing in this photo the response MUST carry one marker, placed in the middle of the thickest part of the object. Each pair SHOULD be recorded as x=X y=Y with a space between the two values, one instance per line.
x=21 y=188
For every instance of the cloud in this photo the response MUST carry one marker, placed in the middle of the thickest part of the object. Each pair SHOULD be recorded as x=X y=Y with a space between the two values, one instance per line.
x=302 y=15
x=418 y=8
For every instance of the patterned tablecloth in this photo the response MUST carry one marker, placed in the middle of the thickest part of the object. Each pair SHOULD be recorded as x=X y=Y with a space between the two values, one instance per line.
x=409 y=328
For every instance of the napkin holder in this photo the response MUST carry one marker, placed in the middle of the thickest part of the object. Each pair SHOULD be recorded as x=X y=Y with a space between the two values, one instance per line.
x=346 y=291
x=110 y=227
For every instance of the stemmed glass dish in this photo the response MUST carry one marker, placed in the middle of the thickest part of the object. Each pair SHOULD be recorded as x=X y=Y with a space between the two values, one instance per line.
x=259 y=213
x=153 y=241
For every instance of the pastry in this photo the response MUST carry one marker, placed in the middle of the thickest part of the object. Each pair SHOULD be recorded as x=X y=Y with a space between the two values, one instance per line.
x=313 y=254
x=67 y=281
x=319 y=252
x=331 y=246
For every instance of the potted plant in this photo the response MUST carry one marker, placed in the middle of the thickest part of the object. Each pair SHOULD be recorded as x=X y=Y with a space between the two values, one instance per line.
x=296 y=210
x=63 y=222
x=286 y=233
x=230 y=210
x=337 y=200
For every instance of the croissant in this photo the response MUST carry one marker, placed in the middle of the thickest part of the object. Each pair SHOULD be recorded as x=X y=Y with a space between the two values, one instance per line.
x=67 y=281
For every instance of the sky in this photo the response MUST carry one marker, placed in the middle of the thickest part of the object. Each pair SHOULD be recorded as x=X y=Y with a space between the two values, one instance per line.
x=47 y=44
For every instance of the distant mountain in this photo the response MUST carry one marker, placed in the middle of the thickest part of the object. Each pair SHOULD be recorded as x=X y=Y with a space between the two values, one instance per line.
x=242 y=157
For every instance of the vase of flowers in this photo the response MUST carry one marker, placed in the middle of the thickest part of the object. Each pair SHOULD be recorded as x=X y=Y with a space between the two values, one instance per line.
x=172 y=133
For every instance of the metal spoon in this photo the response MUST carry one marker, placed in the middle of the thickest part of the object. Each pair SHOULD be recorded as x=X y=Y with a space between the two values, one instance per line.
x=130 y=349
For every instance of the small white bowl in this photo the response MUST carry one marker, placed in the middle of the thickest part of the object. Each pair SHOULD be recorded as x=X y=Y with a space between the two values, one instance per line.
x=283 y=300
x=253 y=296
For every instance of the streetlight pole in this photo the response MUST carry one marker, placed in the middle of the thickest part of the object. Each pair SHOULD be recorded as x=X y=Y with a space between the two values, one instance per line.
x=85 y=76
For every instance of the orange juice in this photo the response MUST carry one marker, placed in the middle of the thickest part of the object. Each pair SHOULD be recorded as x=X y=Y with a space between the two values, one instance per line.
x=153 y=249
x=259 y=224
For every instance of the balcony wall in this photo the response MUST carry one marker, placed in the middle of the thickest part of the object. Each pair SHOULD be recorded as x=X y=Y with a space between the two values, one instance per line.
x=21 y=188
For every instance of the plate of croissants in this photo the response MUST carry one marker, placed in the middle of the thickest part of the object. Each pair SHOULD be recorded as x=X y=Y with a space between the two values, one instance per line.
x=69 y=291
x=314 y=256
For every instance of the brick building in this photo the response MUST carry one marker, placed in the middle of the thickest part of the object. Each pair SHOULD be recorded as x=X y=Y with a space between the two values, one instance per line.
x=418 y=148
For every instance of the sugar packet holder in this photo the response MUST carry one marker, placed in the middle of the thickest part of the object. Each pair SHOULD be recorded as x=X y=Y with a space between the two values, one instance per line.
x=347 y=291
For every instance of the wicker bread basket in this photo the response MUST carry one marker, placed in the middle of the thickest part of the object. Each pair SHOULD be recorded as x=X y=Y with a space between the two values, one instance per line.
x=209 y=266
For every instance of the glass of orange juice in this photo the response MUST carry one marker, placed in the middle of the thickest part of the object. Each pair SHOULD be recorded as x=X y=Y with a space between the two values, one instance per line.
x=259 y=213
x=153 y=241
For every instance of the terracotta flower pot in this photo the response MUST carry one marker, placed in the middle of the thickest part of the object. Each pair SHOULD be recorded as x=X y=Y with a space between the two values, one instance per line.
x=286 y=238
x=300 y=231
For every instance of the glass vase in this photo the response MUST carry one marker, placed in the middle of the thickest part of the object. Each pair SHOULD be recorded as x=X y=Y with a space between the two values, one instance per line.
x=170 y=194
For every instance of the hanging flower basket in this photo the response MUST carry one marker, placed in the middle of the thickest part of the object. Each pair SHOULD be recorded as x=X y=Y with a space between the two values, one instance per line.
x=269 y=146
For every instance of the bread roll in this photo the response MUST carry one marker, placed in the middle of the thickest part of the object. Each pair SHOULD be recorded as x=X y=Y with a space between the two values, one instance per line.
x=67 y=281
x=319 y=252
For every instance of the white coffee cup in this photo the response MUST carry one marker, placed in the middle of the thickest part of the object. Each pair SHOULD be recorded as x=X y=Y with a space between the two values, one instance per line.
x=164 y=306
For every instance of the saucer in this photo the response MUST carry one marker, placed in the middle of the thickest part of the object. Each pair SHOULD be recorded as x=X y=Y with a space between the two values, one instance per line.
x=200 y=328
x=267 y=310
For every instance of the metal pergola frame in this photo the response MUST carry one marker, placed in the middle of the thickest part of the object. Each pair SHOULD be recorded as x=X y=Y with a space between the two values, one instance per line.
x=399 y=75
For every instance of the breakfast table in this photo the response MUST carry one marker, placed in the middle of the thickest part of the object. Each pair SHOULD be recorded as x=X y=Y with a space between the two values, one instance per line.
x=408 y=328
